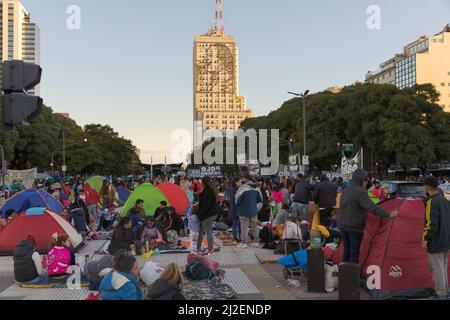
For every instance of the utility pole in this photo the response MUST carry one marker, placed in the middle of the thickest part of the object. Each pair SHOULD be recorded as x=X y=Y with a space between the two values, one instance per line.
x=303 y=95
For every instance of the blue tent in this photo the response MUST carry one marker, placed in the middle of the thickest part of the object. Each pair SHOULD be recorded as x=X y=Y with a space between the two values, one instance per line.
x=124 y=193
x=32 y=199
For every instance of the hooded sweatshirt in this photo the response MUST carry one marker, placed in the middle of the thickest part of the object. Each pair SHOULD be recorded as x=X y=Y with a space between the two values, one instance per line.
x=120 y=286
x=248 y=198
x=355 y=203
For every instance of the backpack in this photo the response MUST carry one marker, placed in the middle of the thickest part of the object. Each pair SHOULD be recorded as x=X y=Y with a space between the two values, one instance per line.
x=198 y=271
x=265 y=235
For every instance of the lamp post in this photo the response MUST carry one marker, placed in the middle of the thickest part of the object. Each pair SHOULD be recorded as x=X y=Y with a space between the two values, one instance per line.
x=303 y=95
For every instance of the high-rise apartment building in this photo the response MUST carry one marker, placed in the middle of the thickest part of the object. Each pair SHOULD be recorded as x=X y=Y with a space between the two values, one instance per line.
x=426 y=60
x=217 y=104
x=19 y=37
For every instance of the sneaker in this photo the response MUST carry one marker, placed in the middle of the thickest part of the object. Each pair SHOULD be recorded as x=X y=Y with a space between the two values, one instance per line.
x=255 y=244
x=440 y=298
x=242 y=246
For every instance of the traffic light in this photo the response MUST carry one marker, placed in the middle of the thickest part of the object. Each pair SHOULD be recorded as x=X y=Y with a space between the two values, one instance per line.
x=339 y=146
x=85 y=141
x=19 y=108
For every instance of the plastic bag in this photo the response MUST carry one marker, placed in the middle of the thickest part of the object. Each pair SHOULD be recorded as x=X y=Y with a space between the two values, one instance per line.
x=331 y=279
x=151 y=272
x=298 y=259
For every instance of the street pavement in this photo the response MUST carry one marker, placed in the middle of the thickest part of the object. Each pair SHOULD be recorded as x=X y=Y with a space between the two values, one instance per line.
x=251 y=273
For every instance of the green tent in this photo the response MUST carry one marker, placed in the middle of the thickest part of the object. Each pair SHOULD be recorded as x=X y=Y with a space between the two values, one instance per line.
x=96 y=182
x=151 y=196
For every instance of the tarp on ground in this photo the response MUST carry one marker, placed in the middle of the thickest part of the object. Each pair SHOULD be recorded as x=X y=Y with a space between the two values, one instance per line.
x=176 y=196
x=395 y=245
x=151 y=195
x=32 y=199
x=40 y=223
x=96 y=182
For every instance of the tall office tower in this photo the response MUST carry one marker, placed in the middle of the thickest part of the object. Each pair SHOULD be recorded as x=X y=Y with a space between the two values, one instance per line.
x=19 y=37
x=217 y=104
x=426 y=60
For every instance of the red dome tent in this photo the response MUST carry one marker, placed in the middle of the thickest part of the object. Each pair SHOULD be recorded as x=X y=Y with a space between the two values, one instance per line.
x=176 y=196
x=40 y=223
x=395 y=245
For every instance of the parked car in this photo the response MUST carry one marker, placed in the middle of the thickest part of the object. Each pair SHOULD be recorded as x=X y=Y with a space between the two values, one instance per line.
x=446 y=189
x=404 y=189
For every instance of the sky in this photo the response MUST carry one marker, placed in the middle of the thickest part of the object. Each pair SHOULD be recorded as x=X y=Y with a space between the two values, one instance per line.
x=130 y=63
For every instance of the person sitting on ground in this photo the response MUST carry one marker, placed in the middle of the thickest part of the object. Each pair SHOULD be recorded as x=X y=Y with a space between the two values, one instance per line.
x=58 y=259
x=161 y=209
x=138 y=208
x=122 y=282
x=174 y=221
x=78 y=216
x=122 y=237
x=264 y=213
x=96 y=270
x=281 y=216
x=27 y=262
x=137 y=220
x=223 y=214
x=169 y=285
x=152 y=234
x=107 y=219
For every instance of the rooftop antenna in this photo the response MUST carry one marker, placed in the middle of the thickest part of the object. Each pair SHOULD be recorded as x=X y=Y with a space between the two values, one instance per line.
x=218 y=23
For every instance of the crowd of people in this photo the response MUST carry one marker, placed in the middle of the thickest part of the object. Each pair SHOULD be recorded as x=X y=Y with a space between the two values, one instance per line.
x=242 y=206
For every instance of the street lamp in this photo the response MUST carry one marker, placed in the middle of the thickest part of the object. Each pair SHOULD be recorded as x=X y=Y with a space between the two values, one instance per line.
x=303 y=95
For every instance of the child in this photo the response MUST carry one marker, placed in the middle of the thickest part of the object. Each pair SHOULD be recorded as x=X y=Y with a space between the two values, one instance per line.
x=59 y=257
x=151 y=234
x=193 y=225
x=169 y=286
x=122 y=282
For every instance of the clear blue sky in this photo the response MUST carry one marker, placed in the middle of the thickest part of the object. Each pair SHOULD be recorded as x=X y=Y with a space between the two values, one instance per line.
x=130 y=65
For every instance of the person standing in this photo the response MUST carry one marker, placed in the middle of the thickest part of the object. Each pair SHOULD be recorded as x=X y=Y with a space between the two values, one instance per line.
x=231 y=197
x=248 y=201
x=302 y=195
x=324 y=197
x=355 y=202
x=207 y=213
x=436 y=237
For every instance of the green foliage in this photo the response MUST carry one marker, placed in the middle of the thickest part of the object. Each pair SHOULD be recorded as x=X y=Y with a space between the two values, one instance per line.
x=404 y=127
x=32 y=146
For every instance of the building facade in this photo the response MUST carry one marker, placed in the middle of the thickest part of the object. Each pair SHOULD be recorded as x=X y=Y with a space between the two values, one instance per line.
x=217 y=104
x=426 y=60
x=19 y=36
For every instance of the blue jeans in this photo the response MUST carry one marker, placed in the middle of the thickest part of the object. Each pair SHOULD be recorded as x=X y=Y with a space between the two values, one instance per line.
x=299 y=210
x=352 y=245
x=236 y=229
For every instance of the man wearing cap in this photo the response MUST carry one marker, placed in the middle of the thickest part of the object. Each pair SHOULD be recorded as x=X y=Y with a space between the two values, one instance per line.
x=355 y=203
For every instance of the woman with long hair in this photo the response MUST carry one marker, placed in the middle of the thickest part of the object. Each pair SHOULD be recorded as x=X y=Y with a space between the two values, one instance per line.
x=207 y=214
x=169 y=285
x=122 y=237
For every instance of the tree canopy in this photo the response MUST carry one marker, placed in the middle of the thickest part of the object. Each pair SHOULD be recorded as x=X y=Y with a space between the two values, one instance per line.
x=105 y=153
x=405 y=127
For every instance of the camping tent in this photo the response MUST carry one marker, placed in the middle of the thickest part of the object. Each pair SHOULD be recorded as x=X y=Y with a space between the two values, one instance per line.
x=32 y=199
x=176 y=196
x=151 y=196
x=96 y=182
x=123 y=193
x=41 y=223
x=395 y=245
